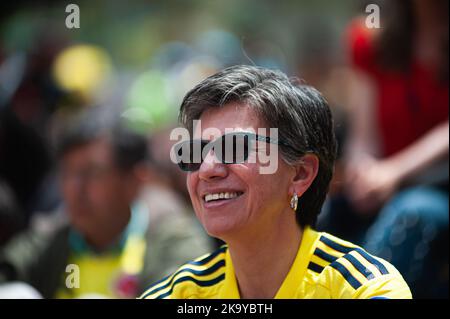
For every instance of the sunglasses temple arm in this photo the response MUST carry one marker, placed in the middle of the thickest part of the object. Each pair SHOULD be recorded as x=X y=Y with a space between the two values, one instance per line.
x=270 y=140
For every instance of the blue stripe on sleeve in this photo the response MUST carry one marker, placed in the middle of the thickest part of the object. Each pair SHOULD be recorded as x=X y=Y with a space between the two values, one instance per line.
x=208 y=258
x=360 y=267
x=335 y=245
x=200 y=262
x=201 y=283
x=325 y=256
x=315 y=267
x=346 y=250
x=212 y=269
x=347 y=275
x=372 y=260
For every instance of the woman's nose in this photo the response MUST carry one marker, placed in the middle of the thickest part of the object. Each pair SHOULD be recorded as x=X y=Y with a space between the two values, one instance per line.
x=212 y=168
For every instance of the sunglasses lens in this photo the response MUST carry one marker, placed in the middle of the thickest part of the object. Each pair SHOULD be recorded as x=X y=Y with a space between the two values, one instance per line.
x=189 y=167
x=188 y=155
x=229 y=149
x=234 y=148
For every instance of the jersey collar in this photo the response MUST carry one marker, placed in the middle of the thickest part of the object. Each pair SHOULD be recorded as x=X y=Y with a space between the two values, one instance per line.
x=293 y=279
x=295 y=275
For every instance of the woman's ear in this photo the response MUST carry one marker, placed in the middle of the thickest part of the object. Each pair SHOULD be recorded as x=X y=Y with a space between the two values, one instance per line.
x=305 y=173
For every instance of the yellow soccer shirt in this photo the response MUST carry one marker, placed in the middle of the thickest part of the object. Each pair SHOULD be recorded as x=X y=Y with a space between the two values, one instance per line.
x=325 y=267
x=113 y=273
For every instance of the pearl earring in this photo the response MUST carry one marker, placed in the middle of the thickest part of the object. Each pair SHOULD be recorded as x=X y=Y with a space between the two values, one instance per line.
x=294 y=202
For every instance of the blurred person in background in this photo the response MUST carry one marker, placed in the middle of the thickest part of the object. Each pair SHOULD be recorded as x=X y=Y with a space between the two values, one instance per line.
x=23 y=159
x=160 y=145
x=29 y=97
x=11 y=217
x=396 y=157
x=27 y=100
x=118 y=234
x=166 y=174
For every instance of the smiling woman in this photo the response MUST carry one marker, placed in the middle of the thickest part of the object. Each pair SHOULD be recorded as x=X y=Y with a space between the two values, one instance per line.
x=267 y=220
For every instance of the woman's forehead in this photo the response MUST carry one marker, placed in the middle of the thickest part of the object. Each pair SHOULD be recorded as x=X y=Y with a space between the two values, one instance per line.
x=227 y=118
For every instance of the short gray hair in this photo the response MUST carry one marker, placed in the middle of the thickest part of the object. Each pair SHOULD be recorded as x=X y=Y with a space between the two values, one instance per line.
x=300 y=113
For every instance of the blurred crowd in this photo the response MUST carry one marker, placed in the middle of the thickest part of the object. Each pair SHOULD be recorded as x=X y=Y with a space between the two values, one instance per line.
x=85 y=118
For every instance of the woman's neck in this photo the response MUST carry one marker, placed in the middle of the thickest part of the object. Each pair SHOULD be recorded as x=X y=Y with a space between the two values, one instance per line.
x=262 y=261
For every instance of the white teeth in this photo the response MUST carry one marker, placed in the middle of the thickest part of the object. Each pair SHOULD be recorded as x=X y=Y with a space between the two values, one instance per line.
x=216 y=196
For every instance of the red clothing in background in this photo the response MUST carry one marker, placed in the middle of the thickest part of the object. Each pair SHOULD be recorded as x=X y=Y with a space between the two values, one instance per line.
x=408 y=105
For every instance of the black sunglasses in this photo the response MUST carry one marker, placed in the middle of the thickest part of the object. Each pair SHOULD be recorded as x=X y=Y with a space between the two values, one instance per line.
x=231 y=148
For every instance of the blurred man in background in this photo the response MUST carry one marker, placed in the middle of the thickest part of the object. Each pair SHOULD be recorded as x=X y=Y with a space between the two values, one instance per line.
x=117 y=234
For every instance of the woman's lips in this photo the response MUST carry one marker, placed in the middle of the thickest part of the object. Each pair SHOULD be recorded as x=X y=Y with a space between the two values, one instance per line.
x=221 y=202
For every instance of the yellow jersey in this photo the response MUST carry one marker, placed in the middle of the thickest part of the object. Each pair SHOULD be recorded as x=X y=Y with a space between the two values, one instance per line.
x=325 y=267
x=113 y=273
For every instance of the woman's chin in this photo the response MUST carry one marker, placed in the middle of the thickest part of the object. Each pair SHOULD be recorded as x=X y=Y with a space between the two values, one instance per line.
x=221 y=230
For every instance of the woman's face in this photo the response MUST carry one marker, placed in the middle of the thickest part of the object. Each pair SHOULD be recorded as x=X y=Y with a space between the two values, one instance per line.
x=262 y=201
